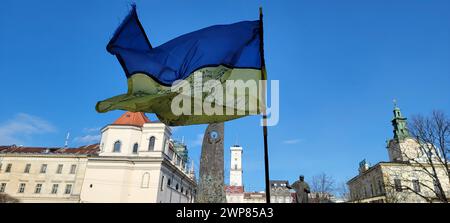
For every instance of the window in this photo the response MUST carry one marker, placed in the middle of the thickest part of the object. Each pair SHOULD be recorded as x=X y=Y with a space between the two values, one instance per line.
x=280 y=199
x=55 y=188
x=135 y=148
x=162 y=183
x=27 y=168
x=182 y=189
x=288 y=200
x=73 y=168
x=2 y=187
x=176 y=187
x=59 y=169
x=235 y=166
x=21 y=187
x=145 y=180
x=44 y=168
x=68 y=189
x=8 y=168
x=398 y=185
x=169 y=182
x=117 y=145
x=151 y=144
x=416 y=185
x=38 y=189
x=380 y=186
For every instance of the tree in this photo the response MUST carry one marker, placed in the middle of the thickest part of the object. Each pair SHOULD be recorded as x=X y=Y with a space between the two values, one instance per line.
x=433 y=137
x=5 y=198
x=391 y=193
x=342 y=191
x=431 y=160
x=322 y=187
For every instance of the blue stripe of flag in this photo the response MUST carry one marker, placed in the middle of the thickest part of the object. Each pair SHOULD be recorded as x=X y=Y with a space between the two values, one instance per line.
x=236 y=45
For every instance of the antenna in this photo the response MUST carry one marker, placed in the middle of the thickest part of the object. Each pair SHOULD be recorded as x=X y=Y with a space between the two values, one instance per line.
x=66 y=143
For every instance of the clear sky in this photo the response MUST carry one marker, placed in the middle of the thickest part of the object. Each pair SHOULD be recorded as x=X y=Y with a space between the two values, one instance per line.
x=340 y=64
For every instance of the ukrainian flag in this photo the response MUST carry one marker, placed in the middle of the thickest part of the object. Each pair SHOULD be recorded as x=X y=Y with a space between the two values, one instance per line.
x=220 y=52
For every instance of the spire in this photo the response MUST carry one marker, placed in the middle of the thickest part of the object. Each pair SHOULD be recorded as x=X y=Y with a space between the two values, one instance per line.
x=132 y=118
x=399 y=123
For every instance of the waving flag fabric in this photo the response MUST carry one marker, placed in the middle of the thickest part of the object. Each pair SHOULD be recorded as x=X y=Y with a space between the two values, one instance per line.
x=220 y=52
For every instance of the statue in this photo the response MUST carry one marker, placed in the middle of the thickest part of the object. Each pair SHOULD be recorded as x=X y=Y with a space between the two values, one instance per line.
x=301 y=189
x=211 y=188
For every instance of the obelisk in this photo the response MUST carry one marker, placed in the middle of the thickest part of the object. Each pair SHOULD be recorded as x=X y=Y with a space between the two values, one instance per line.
x=211 y=186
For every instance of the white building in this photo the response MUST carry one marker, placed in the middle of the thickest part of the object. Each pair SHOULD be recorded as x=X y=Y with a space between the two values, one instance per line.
x=136 y=161
x=236 y=166
x=280 y=193
x=37 y=174
x=403 y=178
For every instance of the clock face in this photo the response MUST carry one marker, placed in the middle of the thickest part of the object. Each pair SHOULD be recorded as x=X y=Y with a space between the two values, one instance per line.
x=213 y=135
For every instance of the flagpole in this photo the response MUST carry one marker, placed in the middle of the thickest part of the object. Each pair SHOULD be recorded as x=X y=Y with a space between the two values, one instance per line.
x=263 y=85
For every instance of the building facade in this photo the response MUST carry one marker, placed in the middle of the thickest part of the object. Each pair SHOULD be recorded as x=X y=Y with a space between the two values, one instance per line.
x=36 y=174
x=404 y=177
x=280 y=193
x=136 y=161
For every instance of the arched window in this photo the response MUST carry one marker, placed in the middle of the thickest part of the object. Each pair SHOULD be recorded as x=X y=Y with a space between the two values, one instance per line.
x=168 y=182
x=135 y=148
x=151 y=144
x=145 y=180
x=117 y=146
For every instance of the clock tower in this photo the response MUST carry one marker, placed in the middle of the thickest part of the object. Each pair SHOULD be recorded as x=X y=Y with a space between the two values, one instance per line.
x=236 y=166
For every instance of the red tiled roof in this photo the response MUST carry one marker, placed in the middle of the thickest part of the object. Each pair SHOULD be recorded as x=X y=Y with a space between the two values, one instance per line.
x=88 y=149
x=234 y=189
x=132 y=118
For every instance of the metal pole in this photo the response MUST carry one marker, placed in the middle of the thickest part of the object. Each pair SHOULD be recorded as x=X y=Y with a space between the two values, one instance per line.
x=264 y=78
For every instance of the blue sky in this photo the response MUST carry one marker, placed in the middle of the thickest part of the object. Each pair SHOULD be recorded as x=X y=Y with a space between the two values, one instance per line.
x=340 y=64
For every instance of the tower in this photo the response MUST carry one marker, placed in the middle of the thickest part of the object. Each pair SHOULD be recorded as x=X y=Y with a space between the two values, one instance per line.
x=399 y=123
x=402 y=147
x=236 y=166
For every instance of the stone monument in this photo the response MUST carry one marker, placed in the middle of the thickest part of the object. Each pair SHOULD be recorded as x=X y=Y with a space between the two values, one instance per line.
x=211 y=186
